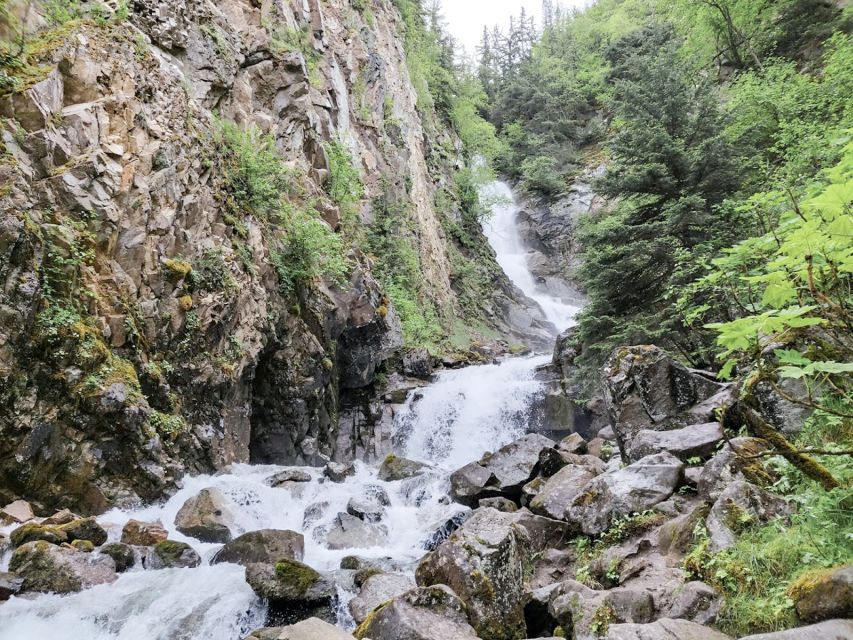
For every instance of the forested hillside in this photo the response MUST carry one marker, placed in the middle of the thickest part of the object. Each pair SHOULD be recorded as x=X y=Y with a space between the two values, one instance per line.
x=725 y=128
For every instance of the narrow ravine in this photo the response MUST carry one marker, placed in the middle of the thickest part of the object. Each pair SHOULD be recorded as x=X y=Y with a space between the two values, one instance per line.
x=453 y=421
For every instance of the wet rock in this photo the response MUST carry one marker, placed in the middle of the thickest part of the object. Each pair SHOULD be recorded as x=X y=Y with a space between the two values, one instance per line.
x=697 y=602
x=501 y=504
x=82 y=529
x=377 y=589
x=427 y=613
x=122 y=554
x=443 y=531
x=170 y=554
x=732 y=463
x=143 y=534
x=698 y=440
x=396 y=468
x=289 y=583
x=417 y=363
x=617 y=494
x=206 y=517
x=381 y=565
x=288 y=475
x=822 y=595
x=740 y=505
x=664 y=629
x=45 y=567
x=338 y=471
x=365 y=509
x=514 y=464
x=264 y=546
x=828 y=630
x=19 y=511
x=313 y=513
x=560 y=490
x=10 y=585
x=310 y=629
x=484 y=562
x=61 y=517
x=470 y=482
x=349 y=532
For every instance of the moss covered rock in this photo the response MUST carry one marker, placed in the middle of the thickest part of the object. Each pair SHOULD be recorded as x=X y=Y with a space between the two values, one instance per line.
x=289 y=582
x=397 y=468
x=122 y=555
x=266 y=546
x=45 y=567
x=80 y=529
x=821 y=595
x=170 y=554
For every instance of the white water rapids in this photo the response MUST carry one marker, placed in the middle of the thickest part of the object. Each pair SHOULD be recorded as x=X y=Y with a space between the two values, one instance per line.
x=461 y=415
x=504 y=235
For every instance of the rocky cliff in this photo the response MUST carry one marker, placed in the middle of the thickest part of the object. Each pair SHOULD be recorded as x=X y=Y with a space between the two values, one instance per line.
x=157 y=317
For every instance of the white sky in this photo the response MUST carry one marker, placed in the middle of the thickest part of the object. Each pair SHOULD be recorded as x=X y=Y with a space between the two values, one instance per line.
x=466 y=18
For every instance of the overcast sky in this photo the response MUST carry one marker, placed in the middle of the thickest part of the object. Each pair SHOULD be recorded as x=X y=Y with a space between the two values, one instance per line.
x=467 y=18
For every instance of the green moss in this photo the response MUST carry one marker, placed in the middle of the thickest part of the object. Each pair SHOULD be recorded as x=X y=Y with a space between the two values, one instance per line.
x=297 y=575
x=602 y=619
x=87 y=546
x=364 y=628
x=177 y=269
x=168 y=425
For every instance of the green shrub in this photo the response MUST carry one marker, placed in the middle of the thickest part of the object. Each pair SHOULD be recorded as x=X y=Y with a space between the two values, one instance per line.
x=540 y=173
x=211 y=273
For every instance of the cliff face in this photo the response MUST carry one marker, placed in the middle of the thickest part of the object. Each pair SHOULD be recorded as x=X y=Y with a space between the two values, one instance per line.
x=145 y=327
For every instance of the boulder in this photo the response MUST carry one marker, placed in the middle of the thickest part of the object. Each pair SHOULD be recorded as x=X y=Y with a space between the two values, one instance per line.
x=617 y=494
x=365 y=509
x=289 y=583
x=349 y=532
x=288 y=475
x=61 y=517
x=646 y=389
x=698 y=440
x=82 y=529
x=697 y=602
x=143 y=534
x=19 y=511
x=310 y=629
x=664 y=629
x=573 y=443
x=501 y=504
x=741 y=504
x=264 y=546
x=396 y=468
x=10 y=585
x=377 y=589
x=338 y=471
x=470 y=483
x=45 y=567
x=585 y=611
x=544 y=533
x=514 y=464
x=170 y=554
x=828 y=630
x=122 y=554
x=427 y=613
x=560 y=490
x=822 y=595
x=484 y=562
x=417 y=363
x=727 y=466
x=206 y=517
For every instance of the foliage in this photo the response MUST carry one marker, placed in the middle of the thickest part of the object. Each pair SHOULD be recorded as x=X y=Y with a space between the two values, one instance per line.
x=211 y=273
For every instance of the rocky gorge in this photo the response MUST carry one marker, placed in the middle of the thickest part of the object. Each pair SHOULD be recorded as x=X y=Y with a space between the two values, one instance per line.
x=206 y=436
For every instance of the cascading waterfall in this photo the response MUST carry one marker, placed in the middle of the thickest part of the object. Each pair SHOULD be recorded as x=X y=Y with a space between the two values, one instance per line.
x=504 y=235
x=451 y=422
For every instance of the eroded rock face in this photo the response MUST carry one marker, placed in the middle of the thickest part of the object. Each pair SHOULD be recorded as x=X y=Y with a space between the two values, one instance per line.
x=484 y=563
x=46 y=567
x=427 y=613
x=617 y=494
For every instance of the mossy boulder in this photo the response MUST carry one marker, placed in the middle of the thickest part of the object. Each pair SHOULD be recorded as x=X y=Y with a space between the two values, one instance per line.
x=396 y=468
x=122 y=554
x=46 y=567
x=821 y=595
x=289 y=582
x=266 y=546
x=81 y=529
x=171 y=554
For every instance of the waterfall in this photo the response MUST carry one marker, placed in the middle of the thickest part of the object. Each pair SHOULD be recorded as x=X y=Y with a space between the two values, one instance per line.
x=504 y=235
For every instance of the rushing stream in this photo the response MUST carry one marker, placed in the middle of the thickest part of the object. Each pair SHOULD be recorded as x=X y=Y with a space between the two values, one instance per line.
x=461 y=415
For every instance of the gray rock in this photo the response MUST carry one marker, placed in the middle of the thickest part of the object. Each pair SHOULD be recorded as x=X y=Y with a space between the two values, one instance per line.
x=377 y=589
x=698 y=440
x=171 y=554
x=19 y=511
x=365 y=509
x=470 y=482
x=560 y=490
x=617 y=494
x=310 y=629
x=143 y=534
x=741 y=504
x=82 y=529
x=824 y=595
x=697 y=602
x=573 y=443
x=427 y=613
x=338 y=472
x=44 y=567
x=264 y=546
x=395 y=468
x=206 y=517
x=288 y=475
x=513 y=465
x=417 y=363
x=828 y=630
x=726 y=467
x=484 y=562
x=664 y=629
x=349 y=532
x=501 y=504
x=122 y=554
x=577 y=607
x=289 y=583
x=313 y=513
x=10 y=585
